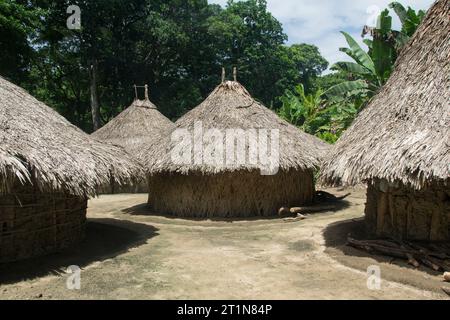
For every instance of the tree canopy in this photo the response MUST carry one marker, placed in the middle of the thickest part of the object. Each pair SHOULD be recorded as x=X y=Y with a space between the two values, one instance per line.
x=177 y=47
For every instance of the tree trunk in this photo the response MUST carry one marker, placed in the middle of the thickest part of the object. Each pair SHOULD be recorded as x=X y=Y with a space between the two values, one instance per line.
x=95 y=109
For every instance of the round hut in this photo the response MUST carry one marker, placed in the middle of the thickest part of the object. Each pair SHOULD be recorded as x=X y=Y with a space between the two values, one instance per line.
x=48 y=169
x=231 y=157
x=399 y=144
x=136 y=126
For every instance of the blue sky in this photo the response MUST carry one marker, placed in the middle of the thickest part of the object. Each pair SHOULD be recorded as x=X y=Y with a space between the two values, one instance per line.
x=319 y=21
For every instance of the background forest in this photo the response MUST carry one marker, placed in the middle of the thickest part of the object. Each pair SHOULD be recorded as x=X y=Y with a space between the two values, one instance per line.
x=178 y=47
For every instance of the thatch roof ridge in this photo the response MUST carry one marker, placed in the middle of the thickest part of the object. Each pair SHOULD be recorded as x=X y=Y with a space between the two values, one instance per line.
x=39 y=145
x=136 y=125
x=403 y=134
x=230 y=106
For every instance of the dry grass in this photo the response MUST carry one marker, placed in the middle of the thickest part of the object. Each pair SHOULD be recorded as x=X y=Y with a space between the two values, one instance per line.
x=229 y=195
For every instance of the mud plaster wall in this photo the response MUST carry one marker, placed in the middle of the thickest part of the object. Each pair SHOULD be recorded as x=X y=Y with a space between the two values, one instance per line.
x=404 y=213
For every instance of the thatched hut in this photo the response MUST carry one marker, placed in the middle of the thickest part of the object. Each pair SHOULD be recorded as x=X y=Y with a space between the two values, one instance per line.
x=48 y=169
x=399 y=143
x=139 y=124
x=232 y=184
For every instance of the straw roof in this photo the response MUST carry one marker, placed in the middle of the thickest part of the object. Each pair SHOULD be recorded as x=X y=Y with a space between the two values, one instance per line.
x=137 y=125
x=38 y=145
x=230 y=106
x=403 y=134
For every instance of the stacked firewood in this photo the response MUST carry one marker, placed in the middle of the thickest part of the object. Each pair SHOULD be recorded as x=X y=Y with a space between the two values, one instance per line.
x=432 y=255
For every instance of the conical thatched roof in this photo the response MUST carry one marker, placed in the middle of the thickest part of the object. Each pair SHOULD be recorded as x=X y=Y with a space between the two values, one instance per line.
x=230 y=106
x=37 y=144
x=403 y=134
x=138 y=124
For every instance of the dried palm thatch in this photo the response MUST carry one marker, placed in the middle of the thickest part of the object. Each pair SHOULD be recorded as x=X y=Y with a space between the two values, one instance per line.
x=39 y=146
x=136 y=127
x=138 y=124
x=403 y=134
x=230 y=106
x=236 y=188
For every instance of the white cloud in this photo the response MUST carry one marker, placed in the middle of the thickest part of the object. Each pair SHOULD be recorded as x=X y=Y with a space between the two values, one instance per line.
x=319 y=21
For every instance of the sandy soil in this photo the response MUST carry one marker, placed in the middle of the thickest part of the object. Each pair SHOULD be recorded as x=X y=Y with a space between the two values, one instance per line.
x=132 y=254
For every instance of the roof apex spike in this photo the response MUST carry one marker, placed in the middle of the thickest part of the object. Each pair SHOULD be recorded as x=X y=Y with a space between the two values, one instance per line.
x=146 y=92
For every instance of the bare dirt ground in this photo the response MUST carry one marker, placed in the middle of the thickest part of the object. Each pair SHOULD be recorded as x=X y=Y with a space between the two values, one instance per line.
x=131 y=254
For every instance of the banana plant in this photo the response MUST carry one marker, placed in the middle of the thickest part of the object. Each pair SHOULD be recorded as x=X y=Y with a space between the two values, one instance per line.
x=409 y=18
x=313 y=115
x=302 y=109
x=370 y=70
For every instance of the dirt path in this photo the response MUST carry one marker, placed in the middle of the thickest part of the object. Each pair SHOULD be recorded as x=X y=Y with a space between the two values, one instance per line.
x=132 y=255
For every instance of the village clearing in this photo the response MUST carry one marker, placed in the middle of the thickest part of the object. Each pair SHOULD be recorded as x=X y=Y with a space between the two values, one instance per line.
x=131 y=254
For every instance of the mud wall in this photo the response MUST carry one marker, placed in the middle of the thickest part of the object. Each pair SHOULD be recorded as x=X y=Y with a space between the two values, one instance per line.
x=397 y=211
x=229 y=195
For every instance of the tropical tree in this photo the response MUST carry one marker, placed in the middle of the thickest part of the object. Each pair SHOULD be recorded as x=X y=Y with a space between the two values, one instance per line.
x=177 y=47
x=248 y=36
x=18 y=22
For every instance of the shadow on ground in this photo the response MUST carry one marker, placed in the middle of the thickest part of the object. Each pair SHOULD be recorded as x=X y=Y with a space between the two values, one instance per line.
x=336 y=242
x=145 y=210
x=105 y=239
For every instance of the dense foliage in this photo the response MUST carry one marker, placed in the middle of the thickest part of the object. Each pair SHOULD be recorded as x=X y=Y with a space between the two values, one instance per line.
x=178 y=47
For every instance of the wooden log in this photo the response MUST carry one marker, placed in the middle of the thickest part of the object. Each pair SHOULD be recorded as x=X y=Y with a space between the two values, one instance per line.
x=412 y=261
x=447 y=276
x=311 y=209
x=413 y=253
x=430 y=264
x=283 y=211
x=426 y=251
x=386 y=243
x=394 y=252
x=440 y=247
